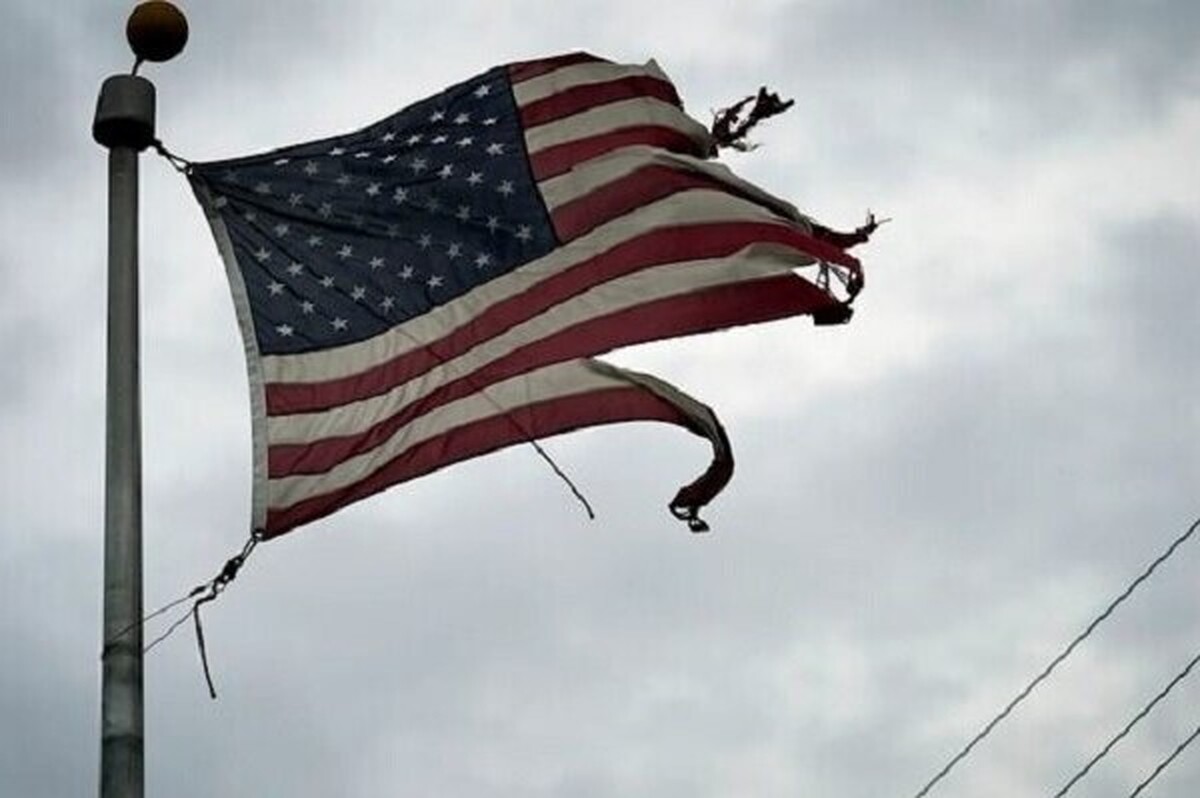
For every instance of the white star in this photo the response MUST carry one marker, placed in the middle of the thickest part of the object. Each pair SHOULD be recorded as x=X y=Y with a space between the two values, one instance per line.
x=483 y=91
x=262 y=255
x=344 y=180
x=475 y=179
x=484 y=259
x=441 y=139
x=282 y=161
x=435 y=281
x=307 y=308
x=262 y=188
x=393 y=230
x=358 y=293
x=285 y=330
x=454 y=251
x=465 y=141
x=493 y=224
x=250 y=216
x=315 y=241
x=524 y=232
x=345 y=252
x=506 y=188
x=419 y=165
x=413 y=139
x=339 y=323
x=406 y=273
x=311 y=168
x=437 y=116
x=388 y=158
x=400 y=196
x=446 y=171
x=373 y=190
x=363 y=154
x=326 y=209
x=495 y=148
x=376 y=262
x=491 y=120
x=282 y=229
x=327 y=282
x=462 y=119
x=275 y=287
x=388 y=137
x=464 y=213
x=336 y=151
x=295 y=199
x=425 y=241
x=433 y=203
x=295 y=269
x=221 y=202
x=387 y=304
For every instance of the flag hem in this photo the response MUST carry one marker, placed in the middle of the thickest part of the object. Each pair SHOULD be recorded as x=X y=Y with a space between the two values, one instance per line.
x=254 y=371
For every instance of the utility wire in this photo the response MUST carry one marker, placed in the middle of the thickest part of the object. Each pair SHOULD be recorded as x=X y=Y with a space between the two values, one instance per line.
x=1143 y=712
x=1163 y=764
x=1066 y=652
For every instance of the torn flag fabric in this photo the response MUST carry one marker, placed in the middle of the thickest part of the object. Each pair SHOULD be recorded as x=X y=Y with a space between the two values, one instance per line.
x=434 y=286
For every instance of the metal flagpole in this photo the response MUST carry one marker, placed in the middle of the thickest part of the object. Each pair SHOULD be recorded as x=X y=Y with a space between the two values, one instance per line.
x=124 y=123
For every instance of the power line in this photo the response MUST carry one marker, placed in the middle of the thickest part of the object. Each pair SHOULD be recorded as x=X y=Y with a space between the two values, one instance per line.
x=1143 y=712
x=1163 y=764
x=1066 y=652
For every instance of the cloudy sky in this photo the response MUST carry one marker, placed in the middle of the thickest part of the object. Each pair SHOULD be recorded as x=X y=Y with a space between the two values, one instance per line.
x=929 y=503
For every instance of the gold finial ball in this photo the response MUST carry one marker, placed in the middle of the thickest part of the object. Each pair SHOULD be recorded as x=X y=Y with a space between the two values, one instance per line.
x=157 y=31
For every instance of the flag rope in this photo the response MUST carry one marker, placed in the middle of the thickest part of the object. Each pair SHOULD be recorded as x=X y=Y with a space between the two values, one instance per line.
x=517 y=425
x=180 y=164
x=207 y=592
x=1058 y=660
x=165 y=608
x=213 y=588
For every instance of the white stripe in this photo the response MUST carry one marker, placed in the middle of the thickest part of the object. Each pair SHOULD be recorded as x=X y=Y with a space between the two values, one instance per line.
x=612 y=117
x=552 y=382
x=611 y=166
x=751 y=263
x=569 y=77
x=689 y=207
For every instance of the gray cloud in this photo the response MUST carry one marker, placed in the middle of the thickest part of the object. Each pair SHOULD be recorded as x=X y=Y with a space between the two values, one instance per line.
x=33 y=79
x=919 y=89
x=910 y=535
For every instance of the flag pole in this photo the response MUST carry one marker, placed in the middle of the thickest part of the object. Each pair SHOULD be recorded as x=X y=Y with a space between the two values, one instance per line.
x=124 y=124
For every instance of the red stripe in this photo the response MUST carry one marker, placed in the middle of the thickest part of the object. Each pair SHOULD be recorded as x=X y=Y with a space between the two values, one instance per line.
x=654 y=182
x=524 y=70
x=701 y=311
x=667 y=245
x=581 y=98
x=556 y=160
x=539 y=420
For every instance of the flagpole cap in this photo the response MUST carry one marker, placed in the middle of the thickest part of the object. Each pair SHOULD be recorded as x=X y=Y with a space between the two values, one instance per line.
x=157 y=31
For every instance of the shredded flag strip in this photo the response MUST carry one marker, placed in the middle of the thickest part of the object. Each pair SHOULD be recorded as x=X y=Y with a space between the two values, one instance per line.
x=436 y=285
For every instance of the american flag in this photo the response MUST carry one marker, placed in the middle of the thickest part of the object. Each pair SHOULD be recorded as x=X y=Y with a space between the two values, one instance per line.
x=434 y=286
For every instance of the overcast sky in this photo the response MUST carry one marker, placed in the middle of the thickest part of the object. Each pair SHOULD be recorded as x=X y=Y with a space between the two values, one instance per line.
x=929 y=502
